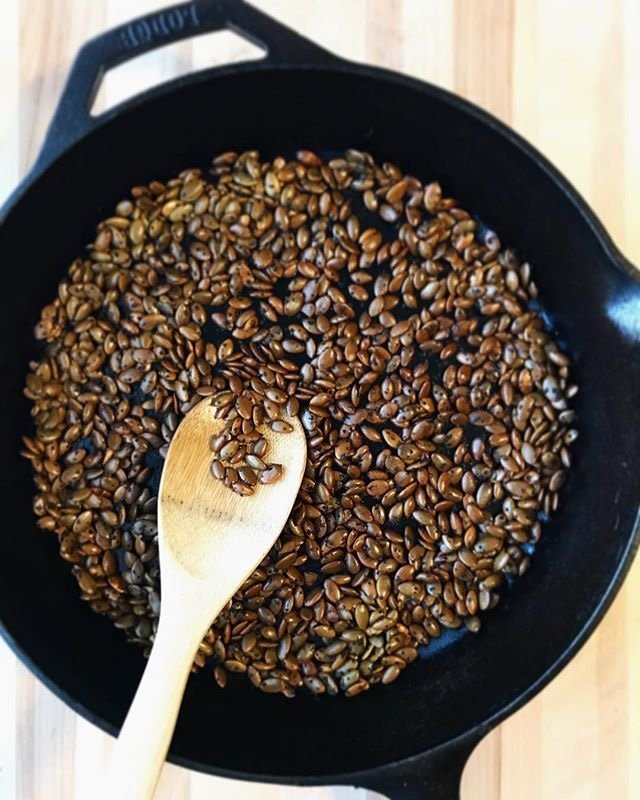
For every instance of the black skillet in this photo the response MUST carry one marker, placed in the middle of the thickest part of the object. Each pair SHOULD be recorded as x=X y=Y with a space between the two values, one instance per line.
x=410 y=739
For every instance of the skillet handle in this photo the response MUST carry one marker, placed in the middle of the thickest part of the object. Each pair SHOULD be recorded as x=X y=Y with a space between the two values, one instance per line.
x=72 y=120
x=433 y=776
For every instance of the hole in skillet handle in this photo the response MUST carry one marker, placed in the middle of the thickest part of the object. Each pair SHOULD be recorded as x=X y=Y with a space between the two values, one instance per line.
x=72 y=119
x=435 y=775
x=170 y=61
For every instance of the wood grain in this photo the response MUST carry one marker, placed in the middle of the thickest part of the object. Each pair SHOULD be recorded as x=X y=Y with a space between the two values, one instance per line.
x=567 y=76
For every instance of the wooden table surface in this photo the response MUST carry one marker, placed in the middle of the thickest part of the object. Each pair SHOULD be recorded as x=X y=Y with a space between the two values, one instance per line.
x=565 y=74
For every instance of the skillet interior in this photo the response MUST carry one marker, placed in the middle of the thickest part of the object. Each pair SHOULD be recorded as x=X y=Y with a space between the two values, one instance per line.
x=433 y=136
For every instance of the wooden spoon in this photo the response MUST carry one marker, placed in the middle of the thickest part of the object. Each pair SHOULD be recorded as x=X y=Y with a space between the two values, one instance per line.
x=210 y=540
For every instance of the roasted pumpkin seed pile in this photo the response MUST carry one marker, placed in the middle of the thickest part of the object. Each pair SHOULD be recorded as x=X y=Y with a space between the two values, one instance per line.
x=434 y=398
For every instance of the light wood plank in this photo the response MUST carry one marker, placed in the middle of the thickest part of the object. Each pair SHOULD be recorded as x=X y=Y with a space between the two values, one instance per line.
x=9 y=98
x=428 y=41
x=483 y=44
x=10 y=752
x=48 y=43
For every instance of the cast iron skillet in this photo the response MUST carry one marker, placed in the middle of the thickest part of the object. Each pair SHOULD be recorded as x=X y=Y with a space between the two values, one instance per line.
x=410 y=739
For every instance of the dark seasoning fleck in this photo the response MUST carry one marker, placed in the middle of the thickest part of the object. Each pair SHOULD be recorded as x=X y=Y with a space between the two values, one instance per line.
x=433 y=395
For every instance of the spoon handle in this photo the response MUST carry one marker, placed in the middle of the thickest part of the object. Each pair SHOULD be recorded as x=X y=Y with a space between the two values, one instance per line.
x=144 y=739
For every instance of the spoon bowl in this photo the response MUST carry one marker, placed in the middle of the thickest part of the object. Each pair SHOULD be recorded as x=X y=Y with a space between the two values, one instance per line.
x=202 y=523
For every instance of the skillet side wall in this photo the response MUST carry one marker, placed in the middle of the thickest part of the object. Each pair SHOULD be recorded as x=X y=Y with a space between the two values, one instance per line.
x=434 y=137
